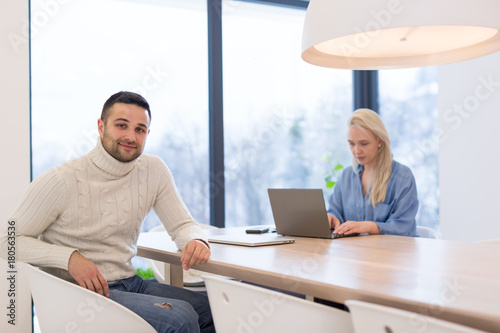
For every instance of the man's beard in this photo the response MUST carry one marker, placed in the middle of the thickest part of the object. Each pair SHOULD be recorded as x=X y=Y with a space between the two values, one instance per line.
x=113 y=148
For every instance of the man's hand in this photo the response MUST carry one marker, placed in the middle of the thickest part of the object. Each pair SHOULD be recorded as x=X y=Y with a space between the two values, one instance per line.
x=194 y=253
x=86 y=274
x=334 y=221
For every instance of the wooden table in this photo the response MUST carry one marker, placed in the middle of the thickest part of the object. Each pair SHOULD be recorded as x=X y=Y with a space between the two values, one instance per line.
x=455 y=281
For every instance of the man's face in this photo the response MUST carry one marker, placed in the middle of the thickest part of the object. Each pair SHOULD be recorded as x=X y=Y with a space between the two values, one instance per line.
x=125 y=131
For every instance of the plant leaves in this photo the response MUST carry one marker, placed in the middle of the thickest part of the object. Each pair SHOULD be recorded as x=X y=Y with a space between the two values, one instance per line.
x=338 y=167
x=330 y=184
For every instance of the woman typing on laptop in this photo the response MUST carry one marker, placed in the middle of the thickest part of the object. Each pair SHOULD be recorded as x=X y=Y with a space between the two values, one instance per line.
x=375 y=195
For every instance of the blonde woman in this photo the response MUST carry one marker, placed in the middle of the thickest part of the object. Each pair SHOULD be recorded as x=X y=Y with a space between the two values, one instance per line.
x=375 y=195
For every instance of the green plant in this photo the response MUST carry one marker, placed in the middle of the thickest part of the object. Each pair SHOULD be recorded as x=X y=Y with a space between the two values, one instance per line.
x=145 y=274
x=332 y=172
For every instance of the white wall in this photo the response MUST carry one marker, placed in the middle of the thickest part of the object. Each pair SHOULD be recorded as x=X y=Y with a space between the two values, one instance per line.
x=469 y=152
x=15 y=163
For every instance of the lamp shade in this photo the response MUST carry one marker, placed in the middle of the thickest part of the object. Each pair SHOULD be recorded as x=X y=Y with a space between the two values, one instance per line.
x=383 y=34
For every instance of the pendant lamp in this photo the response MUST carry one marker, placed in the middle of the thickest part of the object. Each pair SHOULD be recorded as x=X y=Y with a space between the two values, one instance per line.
x=385 y=34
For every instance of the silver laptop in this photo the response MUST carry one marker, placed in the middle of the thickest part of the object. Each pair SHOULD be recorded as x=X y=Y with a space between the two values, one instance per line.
x=244 y=239
x=300 y=212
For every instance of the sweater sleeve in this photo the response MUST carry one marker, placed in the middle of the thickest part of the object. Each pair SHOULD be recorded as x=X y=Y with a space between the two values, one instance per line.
x=39 y=208
x=172 y=211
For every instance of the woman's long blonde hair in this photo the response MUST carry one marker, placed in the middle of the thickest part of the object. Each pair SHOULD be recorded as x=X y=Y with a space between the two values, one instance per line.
x=368 y=119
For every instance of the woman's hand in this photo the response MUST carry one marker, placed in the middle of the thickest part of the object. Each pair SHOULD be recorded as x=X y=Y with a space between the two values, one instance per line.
x=334 y=221
x=354 y=227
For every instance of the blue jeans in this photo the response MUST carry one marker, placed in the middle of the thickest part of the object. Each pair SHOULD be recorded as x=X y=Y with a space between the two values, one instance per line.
x=166 y=308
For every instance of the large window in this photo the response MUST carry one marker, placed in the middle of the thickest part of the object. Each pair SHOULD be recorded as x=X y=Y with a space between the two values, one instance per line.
x=282 y=116
x=284 y=119
x=86 y=50
x=409 y=108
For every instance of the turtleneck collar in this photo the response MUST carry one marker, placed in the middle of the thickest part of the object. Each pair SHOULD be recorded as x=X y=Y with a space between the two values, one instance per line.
x=107 y=163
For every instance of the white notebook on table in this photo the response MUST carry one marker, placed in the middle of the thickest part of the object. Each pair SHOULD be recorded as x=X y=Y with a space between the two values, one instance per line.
x=250 y=239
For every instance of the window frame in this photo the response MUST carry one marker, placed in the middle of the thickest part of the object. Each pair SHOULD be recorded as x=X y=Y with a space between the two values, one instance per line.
x=365 y=94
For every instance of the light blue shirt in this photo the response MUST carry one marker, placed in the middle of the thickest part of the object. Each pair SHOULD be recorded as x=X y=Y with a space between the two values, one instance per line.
x=394 y=216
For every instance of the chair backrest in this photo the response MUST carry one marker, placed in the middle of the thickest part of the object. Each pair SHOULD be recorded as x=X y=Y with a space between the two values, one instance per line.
x=374 y=318
x=426 y=232
x=62 y=306
x=243 y=308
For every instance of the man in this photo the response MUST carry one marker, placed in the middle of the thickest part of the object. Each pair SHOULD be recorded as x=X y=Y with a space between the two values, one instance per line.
x=81 y=220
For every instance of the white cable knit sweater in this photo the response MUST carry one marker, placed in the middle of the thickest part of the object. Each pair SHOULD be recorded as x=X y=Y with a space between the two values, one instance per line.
x=96 y=205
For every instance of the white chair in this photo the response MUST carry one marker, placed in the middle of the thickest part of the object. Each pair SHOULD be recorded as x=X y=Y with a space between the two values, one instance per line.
x=62 y=306
x=240 y=307
x=426 y=232
x=191 y=277
x=374 y=318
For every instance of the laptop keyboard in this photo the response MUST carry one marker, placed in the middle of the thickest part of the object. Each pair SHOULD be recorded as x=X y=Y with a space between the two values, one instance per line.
x=335 y=236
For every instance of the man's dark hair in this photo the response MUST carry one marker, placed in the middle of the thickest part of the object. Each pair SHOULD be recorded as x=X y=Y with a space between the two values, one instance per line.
x=125 y=97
